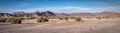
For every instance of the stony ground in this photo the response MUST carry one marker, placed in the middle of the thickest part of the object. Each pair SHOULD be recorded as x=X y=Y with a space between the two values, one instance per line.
x=111 y=25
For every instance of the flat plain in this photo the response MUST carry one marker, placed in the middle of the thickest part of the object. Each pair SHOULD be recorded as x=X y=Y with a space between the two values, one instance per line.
x=110 y=25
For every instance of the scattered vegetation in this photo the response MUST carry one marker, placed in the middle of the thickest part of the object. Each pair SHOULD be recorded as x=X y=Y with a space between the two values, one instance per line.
x=88 y=17
x=16 y=21
x=3 y=19
x=66 y=18
x=30 y=18
x=107 y=17
x=77 y=19
x=72 y=17
x=98 y=18
x=21 y=18
x=40 y=20
x=61 y=18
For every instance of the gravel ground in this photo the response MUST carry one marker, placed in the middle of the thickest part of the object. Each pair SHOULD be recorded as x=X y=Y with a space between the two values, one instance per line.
x=86 y=26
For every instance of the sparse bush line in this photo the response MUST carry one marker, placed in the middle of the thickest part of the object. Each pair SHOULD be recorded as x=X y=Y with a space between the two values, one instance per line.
x=3 y=19
x=98 y=18
x=61 y=18
x=40 y=20
x=16 y=21
x=66 y=18
x=77 y=19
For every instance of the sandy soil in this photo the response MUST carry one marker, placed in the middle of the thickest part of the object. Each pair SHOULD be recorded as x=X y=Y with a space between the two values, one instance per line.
x=111 y=25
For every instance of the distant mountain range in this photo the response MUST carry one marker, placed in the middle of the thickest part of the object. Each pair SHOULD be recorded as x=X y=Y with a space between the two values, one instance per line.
x=49 y=14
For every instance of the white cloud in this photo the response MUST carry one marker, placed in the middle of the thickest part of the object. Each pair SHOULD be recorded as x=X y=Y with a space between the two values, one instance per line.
x=6 y=10
x=22 y=4
x=25 y=2
x=45 y=1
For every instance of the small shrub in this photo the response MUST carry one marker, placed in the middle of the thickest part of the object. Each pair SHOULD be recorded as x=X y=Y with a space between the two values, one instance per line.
x=66 y=18
x=16 y=21
x=21 y=18
x=78 y=19
x=88 y=17
x=72 y=17
x=42 y=20
x=61 y=18
x=107 y=17
x=98 y=18
x=3 y=19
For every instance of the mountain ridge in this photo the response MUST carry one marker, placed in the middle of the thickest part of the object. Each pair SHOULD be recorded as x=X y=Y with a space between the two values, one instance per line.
x=49 y=14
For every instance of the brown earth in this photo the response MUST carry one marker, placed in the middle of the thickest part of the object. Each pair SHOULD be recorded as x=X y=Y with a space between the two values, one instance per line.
x=111 y=25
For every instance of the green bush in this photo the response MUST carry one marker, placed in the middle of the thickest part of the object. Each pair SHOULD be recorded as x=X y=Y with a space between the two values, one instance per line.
x=78 y=19
x=40 y=20
x=3 y=19
x=16 y=21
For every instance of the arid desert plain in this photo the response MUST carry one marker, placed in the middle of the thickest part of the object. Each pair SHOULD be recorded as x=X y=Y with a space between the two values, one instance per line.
x=87 y=25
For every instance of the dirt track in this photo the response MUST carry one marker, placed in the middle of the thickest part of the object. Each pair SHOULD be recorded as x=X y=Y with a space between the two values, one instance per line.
x=87 y=26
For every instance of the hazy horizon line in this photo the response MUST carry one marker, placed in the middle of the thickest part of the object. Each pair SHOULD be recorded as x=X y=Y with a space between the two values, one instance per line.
x=59 y=12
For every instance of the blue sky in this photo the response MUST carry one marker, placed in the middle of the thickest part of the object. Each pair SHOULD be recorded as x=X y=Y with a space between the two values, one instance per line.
x=59 y=6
